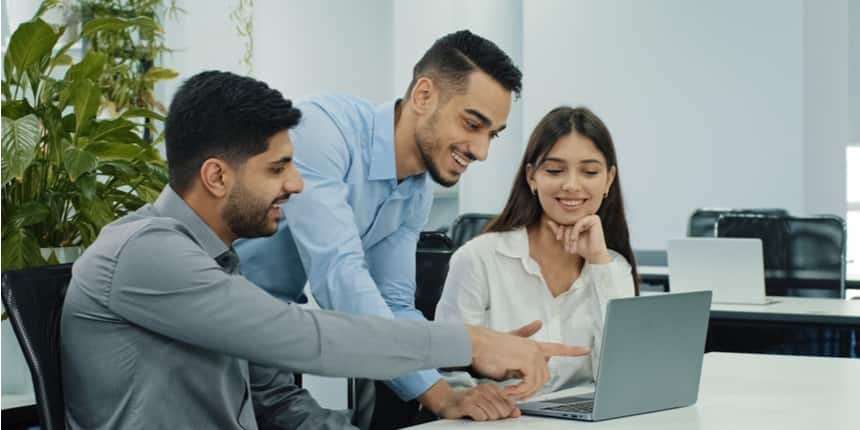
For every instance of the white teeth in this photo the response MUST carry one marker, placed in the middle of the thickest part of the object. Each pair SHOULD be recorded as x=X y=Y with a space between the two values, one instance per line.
x=460 y=160
x=571 y=203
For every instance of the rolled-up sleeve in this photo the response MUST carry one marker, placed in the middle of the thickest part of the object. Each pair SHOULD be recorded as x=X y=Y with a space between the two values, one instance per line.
x=184 y=295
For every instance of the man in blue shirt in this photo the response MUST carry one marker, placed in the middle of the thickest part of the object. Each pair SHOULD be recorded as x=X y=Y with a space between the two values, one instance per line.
x=368 y=171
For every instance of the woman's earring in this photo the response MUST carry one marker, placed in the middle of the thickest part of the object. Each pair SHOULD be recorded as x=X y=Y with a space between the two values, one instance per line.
x=534 y=191
x=606 y=194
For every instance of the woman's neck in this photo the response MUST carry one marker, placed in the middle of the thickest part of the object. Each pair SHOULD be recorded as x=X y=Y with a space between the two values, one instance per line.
x=544 y=246
x=559 y=267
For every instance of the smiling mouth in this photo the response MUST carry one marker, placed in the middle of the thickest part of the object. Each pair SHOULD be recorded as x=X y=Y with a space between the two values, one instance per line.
x=571 y=203
x=461 y=160
x=277 y=203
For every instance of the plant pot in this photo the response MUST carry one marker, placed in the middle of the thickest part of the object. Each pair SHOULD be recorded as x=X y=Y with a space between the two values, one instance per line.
x=64 y=254
x=16 y=374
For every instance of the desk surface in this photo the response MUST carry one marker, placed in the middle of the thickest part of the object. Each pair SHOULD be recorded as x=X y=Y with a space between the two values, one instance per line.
x=737 y=391
x=794 y=309
x=805 y=310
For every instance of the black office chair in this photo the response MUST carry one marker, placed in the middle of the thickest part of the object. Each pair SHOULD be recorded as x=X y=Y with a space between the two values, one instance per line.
x=703 y=222
x=431 y=266
x=803 y=257
x=34 y=302
x=467 y=226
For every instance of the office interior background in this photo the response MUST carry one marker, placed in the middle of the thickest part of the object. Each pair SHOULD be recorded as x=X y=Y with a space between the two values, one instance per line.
x=723 y=104
x=726 y=104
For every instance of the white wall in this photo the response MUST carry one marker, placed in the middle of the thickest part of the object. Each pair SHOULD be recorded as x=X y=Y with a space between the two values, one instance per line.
x=854 y=71
x=310 y=47
x=826 y=127
x=704 y=99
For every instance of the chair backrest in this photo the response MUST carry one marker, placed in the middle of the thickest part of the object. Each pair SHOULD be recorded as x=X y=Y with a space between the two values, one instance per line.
x=431 y=268
x=703 y=222
x=467 y=226
x=34 y=302
x=804 y=256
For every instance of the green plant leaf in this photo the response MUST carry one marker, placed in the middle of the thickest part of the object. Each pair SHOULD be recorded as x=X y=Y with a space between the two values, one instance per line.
x=78 y=161
x=109 y=128
x=20 y=138
x=142 y=113
x=29 y=213
x=159 y=74
x=86 y=98
x=119 y=168
x=115 y=24
x=20 y=250
x=30 y=43
x=62 y=60
x=97 y=211
x=110 y=151
x=15 y=109
x=91 y=67
x=88 y=186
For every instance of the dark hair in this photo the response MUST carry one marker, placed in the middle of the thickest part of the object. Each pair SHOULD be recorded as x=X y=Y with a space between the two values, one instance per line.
x=524 y=210
x=220 y=114
x=454 y=56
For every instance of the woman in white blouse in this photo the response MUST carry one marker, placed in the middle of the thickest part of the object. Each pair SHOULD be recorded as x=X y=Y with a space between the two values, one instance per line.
x=558 y=251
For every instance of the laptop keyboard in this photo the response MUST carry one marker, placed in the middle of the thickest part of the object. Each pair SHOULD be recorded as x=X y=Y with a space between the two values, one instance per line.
x=581 y=407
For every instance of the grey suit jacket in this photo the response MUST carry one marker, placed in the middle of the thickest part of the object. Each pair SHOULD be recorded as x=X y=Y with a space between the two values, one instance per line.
x=155 y=334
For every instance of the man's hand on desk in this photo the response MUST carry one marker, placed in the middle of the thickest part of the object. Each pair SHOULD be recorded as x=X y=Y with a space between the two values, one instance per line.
x=502 y=355
x=482 y=403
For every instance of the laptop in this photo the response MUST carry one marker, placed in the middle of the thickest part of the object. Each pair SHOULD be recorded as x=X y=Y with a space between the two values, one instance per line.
x=732 y=268
x=651 y=359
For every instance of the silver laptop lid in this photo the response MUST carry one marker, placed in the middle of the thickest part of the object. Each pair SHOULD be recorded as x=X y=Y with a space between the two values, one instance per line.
x=652 y=353
x=732 y=268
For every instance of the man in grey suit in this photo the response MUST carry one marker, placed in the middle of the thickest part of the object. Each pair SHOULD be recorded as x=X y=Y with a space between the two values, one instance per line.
x=159 y=327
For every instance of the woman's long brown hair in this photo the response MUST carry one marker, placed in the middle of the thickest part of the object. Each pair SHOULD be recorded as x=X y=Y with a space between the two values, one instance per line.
x=524 y=210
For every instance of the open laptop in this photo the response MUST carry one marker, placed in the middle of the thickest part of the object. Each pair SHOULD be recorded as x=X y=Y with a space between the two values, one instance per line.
x=651 y=359
x=732 y=268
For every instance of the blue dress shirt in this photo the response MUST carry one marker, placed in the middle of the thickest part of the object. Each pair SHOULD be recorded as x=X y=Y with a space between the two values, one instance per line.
x=353 y=231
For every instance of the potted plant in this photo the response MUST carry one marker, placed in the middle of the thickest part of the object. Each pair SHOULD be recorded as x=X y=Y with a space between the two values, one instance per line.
x=73 y=158
x=67 y=168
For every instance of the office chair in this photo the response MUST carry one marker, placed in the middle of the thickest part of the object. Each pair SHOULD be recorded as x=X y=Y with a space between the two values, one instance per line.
x=467 y=226
x=433 y=251
x=34 y=302
x=431 y=267
x=703 y=222
x=803 y=257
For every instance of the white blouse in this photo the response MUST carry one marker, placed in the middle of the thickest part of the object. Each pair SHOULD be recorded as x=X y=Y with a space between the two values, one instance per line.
x=493 y=282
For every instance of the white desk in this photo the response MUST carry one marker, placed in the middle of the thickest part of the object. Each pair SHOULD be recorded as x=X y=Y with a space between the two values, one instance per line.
x=737 y=391
x=802 y=310
x=796 y=310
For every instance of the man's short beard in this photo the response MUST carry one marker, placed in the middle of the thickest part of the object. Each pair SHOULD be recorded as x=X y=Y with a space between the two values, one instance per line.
x=426 y=139
x=240 y=214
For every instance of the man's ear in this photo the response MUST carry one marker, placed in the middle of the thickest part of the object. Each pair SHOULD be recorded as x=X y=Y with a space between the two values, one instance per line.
x=424 y=96
x=217 y=177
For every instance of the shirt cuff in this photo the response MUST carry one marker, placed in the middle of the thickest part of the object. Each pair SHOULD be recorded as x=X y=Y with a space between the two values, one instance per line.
x=410 y=386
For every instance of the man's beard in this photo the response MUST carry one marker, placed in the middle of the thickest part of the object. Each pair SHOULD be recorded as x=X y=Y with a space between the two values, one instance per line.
x=426 y=140
x=246 y=216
